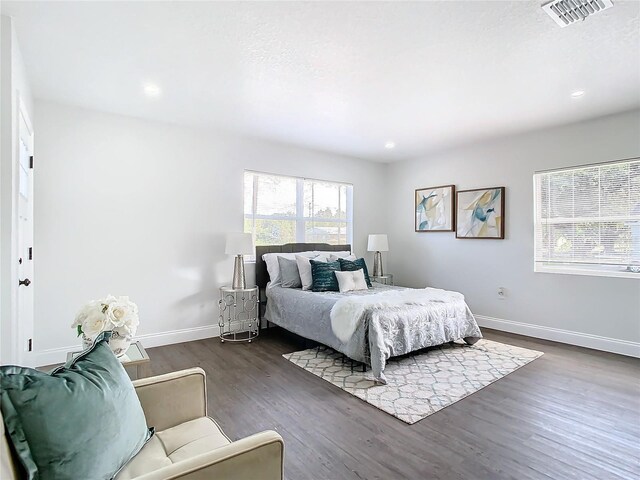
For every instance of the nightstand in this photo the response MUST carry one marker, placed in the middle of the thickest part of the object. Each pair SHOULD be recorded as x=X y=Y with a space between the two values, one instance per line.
x=238 y=319
x=383 y=279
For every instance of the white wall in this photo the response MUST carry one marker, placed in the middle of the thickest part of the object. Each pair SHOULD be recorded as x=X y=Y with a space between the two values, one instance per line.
x=137 y=208
x=14 y=89
x=126 y=206
x=590 y=306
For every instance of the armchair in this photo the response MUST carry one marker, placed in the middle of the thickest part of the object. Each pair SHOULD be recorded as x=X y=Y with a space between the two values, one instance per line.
x=188 y=445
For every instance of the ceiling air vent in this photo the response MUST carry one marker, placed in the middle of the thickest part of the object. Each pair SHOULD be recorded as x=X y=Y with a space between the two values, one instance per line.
x=566 y=12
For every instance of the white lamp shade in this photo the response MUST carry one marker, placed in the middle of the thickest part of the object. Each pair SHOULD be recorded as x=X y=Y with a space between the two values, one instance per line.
x=239 y=244
x=378 y=242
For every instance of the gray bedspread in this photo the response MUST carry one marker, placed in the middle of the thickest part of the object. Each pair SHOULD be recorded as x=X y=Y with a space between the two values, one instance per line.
x=382 y=333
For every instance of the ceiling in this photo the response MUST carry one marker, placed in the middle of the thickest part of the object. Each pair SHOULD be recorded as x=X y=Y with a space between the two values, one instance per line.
x=340 y=77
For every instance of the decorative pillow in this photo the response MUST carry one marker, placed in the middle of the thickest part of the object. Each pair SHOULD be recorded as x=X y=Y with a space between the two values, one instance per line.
x=289 y=276
x=83 y=420
x=334 y=258
x=304 y=269
x=349 y=281
x=324 y=278
x=273 y=267
x=349 y=266
x=338 y=254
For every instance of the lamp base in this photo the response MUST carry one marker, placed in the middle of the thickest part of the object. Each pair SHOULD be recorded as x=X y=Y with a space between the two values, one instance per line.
x=239 y=282
x=378 y=271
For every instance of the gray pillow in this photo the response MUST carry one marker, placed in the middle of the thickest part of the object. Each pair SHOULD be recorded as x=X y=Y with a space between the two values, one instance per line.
x=289 y=274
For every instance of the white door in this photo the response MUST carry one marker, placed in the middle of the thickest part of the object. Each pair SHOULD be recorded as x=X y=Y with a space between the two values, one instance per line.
x=25 y=239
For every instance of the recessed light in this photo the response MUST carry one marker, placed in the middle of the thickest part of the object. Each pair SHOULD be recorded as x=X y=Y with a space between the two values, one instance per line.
x=389 y=145
x=152 y=90
x=577 y=94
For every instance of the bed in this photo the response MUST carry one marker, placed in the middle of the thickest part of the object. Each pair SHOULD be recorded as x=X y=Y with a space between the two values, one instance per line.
x=384 y=330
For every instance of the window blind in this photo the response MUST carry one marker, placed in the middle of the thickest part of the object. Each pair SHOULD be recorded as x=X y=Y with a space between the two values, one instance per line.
x=281 y=209
x=588 y=218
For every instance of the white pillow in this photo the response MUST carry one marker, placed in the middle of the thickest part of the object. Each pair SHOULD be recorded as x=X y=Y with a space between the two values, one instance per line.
x=273 y=267
x=340 y=254
x=334 y=258
x=304 y=268
x=353 y=280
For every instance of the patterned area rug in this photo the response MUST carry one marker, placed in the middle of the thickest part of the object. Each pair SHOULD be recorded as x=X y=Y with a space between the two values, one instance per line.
x=419 y=385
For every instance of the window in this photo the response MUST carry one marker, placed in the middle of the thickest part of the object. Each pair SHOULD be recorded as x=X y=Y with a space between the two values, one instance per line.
x=587 y=220
x=279 y=209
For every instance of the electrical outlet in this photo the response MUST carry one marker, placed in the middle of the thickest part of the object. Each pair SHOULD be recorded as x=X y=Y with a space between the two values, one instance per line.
x=502 y=293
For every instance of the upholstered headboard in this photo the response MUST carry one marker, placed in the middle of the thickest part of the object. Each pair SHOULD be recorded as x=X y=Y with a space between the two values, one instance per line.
x=262 y=276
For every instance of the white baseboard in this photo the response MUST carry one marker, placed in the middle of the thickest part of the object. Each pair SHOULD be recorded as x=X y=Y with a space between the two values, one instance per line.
x=149 y=340
x=613 y=345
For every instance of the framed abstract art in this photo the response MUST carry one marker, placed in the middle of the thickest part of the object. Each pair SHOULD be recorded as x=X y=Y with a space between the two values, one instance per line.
x=434 y=210
x=480 y=213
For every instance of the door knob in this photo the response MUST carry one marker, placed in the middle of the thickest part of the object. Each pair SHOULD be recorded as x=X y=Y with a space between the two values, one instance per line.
x=26 y=282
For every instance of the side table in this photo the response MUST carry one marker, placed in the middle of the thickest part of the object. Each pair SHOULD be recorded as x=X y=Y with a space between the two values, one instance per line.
x=136 y=361
x=383 y=279
x=238 y=319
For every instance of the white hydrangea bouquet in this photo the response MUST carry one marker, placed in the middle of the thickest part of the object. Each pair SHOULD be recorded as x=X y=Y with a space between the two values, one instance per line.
x=117 y=314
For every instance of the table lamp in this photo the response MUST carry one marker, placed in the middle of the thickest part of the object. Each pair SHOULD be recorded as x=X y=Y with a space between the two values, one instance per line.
x=239 y=244
x=378 y=242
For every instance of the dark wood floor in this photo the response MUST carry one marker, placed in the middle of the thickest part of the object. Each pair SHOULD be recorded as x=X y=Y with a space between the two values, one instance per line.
x=572 y=414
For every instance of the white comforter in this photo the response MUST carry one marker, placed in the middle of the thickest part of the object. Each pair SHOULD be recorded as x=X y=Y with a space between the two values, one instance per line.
x=348 y=312
x=402 y=321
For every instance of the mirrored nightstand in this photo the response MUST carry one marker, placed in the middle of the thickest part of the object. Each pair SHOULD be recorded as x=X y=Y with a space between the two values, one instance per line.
x=238 y=319
x=383 y=279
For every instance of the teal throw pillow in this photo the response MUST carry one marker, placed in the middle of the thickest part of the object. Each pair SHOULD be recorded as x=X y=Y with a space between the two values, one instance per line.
x=324 y=280
x=81 y=421
x=350 y=266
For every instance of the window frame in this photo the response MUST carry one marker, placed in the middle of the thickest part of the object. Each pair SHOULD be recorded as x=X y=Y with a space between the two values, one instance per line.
x=299 y=218
x=574 y=268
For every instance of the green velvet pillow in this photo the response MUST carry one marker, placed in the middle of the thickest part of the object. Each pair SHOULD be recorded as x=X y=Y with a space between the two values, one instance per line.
x=351 y=266
x=81 y=421
x=324 y=280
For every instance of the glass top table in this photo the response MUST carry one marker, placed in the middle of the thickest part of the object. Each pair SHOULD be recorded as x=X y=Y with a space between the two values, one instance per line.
x=135 y=356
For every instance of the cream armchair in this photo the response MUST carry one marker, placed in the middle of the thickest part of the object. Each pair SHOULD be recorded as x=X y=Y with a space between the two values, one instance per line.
x=188 y=444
